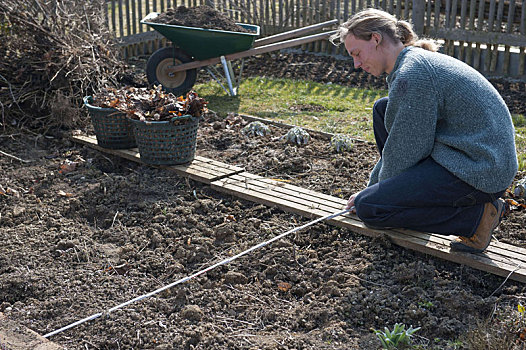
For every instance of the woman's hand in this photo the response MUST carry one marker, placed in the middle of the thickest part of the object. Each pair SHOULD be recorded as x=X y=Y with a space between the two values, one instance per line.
x=350 y=203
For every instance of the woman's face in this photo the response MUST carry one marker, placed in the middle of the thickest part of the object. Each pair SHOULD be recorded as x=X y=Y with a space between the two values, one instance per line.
x=367 y=54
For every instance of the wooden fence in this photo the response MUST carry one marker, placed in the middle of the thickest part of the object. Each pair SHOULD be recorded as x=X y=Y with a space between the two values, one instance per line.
x=489 y=35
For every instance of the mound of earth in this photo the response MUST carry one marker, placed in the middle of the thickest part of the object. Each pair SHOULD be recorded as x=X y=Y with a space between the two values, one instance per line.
x=200 y=17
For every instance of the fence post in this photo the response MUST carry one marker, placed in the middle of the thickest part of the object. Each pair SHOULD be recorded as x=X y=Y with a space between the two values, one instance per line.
x=419 y=11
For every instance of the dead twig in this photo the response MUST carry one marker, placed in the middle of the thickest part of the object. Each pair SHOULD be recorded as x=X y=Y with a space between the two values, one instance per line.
x=54 y=54
x=14 y=157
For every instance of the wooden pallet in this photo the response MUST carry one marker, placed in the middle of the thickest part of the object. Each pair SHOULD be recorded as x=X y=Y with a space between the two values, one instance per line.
x=200 y=169
x=499 y=258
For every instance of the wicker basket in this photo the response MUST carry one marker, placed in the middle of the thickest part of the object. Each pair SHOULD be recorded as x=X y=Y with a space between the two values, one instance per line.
x=112 y=128
x=166 y=142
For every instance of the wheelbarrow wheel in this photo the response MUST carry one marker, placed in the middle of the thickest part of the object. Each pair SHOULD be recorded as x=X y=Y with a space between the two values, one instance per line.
x=158 y=70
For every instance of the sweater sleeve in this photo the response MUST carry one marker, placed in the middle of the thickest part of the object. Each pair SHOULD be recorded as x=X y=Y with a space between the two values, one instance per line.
x=373 y=177
x=411 y=117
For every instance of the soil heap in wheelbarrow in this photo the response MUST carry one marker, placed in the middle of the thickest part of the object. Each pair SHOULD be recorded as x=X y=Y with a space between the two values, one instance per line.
x=201 y=17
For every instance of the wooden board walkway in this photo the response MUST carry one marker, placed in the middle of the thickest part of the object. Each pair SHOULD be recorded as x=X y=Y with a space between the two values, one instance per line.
x=200 y=169
x=499 y=258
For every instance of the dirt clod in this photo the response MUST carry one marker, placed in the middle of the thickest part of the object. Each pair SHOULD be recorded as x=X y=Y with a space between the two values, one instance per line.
x=192 y=313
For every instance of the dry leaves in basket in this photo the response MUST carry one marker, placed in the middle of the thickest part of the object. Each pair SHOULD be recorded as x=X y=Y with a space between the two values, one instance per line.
x=150 y=104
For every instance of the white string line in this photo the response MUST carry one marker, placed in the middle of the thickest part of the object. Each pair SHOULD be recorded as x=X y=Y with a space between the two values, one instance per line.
x=182 y=280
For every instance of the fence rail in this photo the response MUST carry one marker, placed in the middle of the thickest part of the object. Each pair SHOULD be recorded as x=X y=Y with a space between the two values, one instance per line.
x=489 y=35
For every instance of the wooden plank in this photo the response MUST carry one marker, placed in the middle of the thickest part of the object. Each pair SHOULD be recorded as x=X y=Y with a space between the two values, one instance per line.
x=311 y=199
x=452 y=24
x=293 y=33
x=509 y=28
x=17 y=337
x=468 y=58
x=121 y=24
x=491 y=15
x=428 y=13
x=497 y=255
x=438 y=246
x=463 y=20
x=499 y=258
x=276 y=189
x=133 y=17
x=113 y=17
x=200 y=169
x=437 y=17
x=289 y=190
x=306 y=197
x=481 y=37
x=406 y=10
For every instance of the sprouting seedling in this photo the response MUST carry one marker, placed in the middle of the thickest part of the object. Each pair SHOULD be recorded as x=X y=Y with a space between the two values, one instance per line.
x=341 y=143
x=255 y=128
x=396 y=338
x=297 y=135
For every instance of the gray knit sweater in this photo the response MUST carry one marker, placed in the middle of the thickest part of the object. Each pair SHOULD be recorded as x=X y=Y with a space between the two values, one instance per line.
x=440 y=107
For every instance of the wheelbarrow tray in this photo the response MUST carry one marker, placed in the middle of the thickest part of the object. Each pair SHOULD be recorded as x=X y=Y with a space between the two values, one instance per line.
x=205 y=43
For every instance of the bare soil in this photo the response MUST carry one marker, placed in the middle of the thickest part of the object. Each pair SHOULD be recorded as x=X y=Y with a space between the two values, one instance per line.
x=83 y=231
x=201 y=17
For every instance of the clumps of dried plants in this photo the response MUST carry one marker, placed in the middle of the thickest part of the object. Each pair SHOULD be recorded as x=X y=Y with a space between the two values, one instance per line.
x=53 y=52
x=150 y=104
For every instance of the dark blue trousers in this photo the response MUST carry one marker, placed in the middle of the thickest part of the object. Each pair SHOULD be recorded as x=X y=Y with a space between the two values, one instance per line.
x=426 y=197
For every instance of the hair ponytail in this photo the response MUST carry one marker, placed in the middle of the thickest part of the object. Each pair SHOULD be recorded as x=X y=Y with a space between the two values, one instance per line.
x=404 y=32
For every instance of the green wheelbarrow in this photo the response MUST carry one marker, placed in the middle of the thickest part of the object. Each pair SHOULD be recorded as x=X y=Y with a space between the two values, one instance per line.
x=175 y=67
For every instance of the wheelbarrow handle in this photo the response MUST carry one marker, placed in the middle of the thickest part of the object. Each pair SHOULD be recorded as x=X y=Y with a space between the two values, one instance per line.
x=293 y=33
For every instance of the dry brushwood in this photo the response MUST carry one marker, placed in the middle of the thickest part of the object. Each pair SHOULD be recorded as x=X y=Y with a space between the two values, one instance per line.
x=53 y=52
x=150 y=104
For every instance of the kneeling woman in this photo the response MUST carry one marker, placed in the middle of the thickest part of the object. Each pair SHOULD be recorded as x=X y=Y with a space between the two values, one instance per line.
x=445 y=136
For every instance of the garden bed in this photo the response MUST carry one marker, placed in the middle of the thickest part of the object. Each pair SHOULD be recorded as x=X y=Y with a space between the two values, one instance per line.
x=83 y=232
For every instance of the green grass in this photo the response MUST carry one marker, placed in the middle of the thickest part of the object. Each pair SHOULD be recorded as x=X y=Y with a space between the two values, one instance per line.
x=329 y=108
x=519 y=121
x=324 y=107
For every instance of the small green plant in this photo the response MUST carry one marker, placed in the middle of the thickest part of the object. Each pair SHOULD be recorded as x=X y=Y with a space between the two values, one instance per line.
x=398 y=338
x=426 y=304
x=341 y=143
x=455 y=344
x=255 y=128
x=297 y=135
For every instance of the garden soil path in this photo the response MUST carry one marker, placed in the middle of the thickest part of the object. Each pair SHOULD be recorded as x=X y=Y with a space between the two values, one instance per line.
x=83 y=231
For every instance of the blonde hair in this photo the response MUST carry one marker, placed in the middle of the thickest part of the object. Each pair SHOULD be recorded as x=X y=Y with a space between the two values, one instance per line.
x=363 y=24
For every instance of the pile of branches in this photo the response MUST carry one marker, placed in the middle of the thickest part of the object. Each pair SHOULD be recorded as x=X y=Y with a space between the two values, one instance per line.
x=53 y=52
